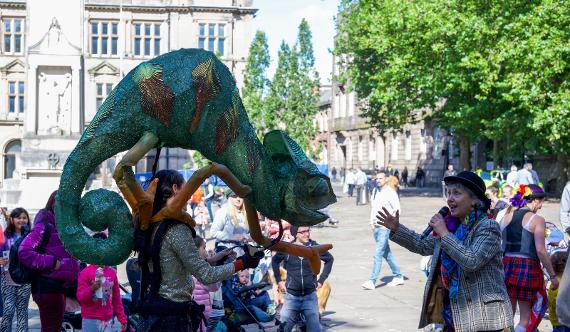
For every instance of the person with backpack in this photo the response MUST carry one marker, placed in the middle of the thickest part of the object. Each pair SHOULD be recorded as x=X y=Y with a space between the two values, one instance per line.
x=15 y=297
x=169 y=259
x=54 y=268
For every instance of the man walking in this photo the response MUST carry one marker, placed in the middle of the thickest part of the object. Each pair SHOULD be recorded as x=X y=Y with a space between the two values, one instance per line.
x=448 y=172
x=534 y=174
x=209 y=197
x=383 y=196
x=360 y=183
x=524 y=176
x=333 y=173
x=350 y=180
x=301 y=285
x=512 y=177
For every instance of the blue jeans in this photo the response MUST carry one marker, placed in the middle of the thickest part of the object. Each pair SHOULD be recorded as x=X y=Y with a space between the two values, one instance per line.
x=258 y=306
x=294 y=305
x=259 y=314
x=382 y=236
x=261 y=301
x=209 y=207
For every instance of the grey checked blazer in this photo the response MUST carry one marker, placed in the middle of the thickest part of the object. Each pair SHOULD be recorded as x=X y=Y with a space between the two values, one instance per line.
x=482 y=302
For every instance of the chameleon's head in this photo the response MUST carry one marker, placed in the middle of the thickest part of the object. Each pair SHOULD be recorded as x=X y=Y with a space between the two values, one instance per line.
x=305 y=190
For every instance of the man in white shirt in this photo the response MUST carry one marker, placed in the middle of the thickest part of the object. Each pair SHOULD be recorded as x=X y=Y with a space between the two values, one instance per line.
x=512 y=177
x=209 y=197
x=524 y=176
x=383 y=196
x=360 y=182
x=350 y=180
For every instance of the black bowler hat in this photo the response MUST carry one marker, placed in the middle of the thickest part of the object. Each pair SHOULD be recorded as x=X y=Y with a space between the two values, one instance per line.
x=471 y=181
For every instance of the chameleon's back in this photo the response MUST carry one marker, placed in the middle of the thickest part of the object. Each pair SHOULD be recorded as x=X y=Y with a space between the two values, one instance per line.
x=188 y=99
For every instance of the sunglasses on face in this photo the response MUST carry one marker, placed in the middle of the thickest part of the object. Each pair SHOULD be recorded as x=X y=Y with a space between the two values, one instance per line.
x=303 y=232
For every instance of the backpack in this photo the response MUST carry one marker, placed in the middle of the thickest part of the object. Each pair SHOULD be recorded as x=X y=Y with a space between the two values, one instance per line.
x=149 y=301
x=19 y=273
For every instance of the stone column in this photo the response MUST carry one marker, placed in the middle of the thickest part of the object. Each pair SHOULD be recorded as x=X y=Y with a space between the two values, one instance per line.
x=76 y=124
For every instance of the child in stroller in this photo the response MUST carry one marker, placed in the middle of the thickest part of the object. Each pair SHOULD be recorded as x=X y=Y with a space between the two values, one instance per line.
x=246 y=303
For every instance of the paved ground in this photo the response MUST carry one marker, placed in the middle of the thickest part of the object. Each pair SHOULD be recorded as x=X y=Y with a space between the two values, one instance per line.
x=350 y=308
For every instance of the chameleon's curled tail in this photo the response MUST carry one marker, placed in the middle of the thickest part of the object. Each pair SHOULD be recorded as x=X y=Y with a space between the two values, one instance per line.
x=98 y=209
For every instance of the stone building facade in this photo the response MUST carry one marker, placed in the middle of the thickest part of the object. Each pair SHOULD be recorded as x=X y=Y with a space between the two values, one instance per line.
x=354 y=143
x=59 y=59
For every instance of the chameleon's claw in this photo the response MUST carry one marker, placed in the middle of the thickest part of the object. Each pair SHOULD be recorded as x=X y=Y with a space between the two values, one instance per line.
x=167 y=213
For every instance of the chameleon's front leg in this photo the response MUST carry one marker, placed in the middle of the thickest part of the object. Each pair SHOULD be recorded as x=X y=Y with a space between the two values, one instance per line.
x=310 y=253
x=175 y=205
x=140 y=201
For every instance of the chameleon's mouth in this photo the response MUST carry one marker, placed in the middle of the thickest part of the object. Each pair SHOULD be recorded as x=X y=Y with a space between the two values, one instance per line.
x=307 y=190
x=305 y=195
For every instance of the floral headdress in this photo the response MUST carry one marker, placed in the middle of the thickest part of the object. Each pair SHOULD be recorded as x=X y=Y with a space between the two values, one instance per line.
x=526 y=193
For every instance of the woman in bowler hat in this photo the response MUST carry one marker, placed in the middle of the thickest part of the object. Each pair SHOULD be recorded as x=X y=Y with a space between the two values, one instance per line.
x=465 y=290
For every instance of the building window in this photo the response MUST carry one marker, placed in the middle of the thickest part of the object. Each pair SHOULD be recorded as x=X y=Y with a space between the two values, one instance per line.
x=104 y=38
x=13 y=31
x=212 y=37
x=16 y=90
x=103 y=90
x=147 y=39
x=10 y=155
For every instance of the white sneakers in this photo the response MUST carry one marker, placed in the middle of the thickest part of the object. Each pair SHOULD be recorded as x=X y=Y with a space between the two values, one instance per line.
x=368 y=284
x=396 y=281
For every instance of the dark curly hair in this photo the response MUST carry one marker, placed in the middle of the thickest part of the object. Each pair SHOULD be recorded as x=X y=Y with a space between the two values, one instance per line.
x=559 y=259
x=11 y=228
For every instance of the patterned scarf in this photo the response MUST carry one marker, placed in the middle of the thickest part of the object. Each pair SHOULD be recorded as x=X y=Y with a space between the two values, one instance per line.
x=449 y=268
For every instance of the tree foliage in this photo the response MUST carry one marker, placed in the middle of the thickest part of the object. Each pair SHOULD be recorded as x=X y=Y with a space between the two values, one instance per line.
x=292 y=99
x=303 y=99
x=256 y=83
x=497 y=70
x=276 y=101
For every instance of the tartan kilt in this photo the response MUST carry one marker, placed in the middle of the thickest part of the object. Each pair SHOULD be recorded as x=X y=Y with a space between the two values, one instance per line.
x=523 y=277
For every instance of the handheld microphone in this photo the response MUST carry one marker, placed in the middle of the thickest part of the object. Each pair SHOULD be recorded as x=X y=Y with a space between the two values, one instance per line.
x=443 y=211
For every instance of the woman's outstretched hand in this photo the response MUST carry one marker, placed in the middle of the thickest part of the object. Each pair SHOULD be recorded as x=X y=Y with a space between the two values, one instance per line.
x=384 y=218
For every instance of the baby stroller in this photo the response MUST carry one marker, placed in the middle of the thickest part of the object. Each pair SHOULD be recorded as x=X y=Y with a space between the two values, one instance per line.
x=72 y=316
x=237 y=312
x=554 y=239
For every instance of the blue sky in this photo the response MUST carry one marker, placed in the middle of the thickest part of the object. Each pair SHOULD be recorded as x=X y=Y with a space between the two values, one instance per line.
x=279 y=19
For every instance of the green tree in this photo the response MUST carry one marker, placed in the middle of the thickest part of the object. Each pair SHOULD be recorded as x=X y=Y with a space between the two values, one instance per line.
x=488 y=70
x=304 y=95
x=277 y=98
x=256 y=84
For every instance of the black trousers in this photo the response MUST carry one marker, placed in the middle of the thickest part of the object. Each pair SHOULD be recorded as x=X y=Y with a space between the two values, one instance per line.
x=156 y=323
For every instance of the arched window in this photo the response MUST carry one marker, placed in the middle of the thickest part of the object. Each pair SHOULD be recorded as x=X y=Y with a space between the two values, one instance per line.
x=11 y=154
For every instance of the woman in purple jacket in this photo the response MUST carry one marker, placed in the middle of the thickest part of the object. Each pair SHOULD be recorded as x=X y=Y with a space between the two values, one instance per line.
x=57 y=270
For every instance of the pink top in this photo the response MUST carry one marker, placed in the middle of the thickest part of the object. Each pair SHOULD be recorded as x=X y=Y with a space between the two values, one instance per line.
x=101 y=309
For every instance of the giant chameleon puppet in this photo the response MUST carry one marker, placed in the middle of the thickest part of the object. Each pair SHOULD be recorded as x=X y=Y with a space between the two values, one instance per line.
x=187 y=99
